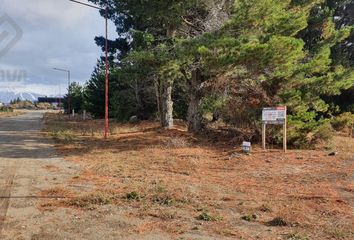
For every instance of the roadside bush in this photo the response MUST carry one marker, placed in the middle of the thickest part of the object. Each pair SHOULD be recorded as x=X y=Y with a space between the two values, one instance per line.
x=86 y=201
x=23 y=105
x=205 y=216
x=307 y=134
x=323 y=133
x=211 y=107
x=343 y=121
x=133 y=196
x=6 y=109
x=63 y=135
x=249 y=218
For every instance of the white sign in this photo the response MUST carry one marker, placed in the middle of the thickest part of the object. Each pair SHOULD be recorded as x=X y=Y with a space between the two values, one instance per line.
x=274 y=115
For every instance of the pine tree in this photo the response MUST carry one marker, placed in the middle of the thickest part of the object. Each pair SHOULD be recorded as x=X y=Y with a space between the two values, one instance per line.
x=75 y=92
x=260 y=49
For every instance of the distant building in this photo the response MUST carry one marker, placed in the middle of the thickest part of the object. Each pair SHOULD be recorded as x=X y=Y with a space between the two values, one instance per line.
x=55 y=102
x=51 y=100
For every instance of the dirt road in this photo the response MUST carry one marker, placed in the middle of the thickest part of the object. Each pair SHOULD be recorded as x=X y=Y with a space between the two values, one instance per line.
x=28 y=167
x=26 y=161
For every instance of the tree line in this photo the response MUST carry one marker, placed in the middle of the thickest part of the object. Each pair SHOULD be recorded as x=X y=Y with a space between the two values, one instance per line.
x=212 y=60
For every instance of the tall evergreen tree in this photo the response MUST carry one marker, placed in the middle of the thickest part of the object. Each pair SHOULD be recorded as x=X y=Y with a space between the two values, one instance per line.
x=75 y=94
x=161 y=23
x=259 y=49
x=237 y=56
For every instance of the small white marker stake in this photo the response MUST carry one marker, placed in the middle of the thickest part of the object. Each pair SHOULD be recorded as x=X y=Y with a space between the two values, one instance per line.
x=246 y=147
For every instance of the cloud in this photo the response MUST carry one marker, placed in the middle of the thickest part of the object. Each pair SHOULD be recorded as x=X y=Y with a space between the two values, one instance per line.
x=56 y=33
x=63 y=13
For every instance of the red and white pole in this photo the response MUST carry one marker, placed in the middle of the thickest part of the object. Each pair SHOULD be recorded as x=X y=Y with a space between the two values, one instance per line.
x=107 y=81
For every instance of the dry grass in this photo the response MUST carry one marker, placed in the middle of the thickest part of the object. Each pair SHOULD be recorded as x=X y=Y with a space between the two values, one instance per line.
x=11 y=114
x=57 y=192
x=186 y=184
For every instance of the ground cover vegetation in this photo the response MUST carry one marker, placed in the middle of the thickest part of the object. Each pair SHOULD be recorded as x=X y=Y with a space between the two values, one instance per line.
x=172 y=184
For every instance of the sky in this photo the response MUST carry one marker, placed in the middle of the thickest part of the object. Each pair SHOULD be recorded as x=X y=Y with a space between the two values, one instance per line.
x=55 y=34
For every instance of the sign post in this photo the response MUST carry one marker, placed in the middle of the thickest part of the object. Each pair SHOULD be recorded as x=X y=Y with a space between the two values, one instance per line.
x=285 y=138
x=274 y=116
x=264 y=128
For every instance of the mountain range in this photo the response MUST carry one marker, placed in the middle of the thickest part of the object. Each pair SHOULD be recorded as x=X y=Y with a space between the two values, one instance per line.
x=7 y=96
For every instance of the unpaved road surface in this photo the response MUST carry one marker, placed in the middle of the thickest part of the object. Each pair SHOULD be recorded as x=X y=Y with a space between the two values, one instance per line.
x=26 y=161
x=28 y=166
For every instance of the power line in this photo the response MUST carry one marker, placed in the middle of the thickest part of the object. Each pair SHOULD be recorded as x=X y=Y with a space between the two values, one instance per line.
x=85 y=4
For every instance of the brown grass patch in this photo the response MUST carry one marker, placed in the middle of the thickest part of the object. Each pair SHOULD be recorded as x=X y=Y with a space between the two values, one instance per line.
x=53 y=197
x=178 y=177
x=91 y=200
x=11 y=114
x=57 y=192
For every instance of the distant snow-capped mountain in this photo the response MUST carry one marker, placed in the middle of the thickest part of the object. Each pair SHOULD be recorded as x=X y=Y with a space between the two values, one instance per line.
x=6 y=97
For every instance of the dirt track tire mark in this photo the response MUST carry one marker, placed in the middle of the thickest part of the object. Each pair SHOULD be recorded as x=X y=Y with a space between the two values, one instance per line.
x=8 y=174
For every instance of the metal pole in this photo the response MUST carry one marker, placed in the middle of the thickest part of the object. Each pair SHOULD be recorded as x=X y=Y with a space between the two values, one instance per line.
x=106 y=129
x=107 y=80
x=59 y=101
x=69 y=94
x=264 y=126
x=69 y=83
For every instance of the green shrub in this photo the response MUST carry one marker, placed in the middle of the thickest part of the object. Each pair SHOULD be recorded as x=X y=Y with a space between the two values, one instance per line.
x=211 y=105
x=63 y=135
x=323 y=133
x=6 y=109
x=99 y=198
x=133 y=196
x=163 y=200
x=343 y=121
x=249 y=218
x=204 y=216
x=305 y=132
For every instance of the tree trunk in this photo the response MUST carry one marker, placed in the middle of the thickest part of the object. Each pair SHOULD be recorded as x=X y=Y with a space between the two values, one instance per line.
x=194 y=117
x=164 y=103
x=166 y=106
x=164 y=95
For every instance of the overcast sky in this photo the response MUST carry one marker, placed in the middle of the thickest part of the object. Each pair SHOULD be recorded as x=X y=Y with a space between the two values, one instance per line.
x=56 y=33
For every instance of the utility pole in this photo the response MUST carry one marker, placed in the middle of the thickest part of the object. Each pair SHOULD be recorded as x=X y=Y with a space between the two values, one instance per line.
x=106 y=129
x=69 y=83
